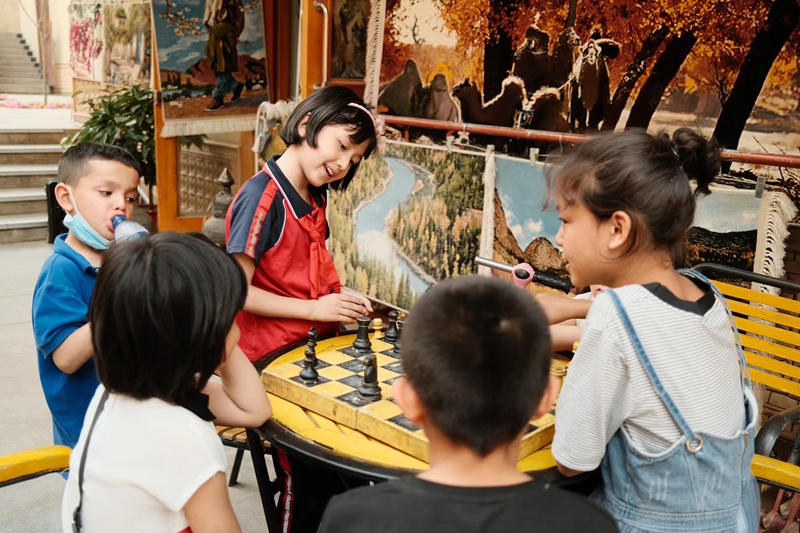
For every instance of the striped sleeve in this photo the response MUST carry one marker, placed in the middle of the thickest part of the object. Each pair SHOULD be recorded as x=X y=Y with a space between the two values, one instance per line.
x=591 y=406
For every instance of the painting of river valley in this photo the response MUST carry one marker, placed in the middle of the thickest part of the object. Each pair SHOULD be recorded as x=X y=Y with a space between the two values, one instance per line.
x=410 y=217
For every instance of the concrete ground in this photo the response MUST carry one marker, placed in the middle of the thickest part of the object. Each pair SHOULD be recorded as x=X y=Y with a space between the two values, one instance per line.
x=25 y=422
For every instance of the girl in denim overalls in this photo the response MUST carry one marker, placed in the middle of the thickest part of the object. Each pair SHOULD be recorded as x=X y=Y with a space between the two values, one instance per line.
x=657 y=394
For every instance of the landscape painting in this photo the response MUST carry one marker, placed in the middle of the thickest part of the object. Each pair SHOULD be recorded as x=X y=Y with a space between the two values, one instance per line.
x=410 y=217
x=196 y=52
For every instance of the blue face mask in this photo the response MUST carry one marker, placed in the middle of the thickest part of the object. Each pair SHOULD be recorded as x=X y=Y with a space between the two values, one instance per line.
x=82 y=230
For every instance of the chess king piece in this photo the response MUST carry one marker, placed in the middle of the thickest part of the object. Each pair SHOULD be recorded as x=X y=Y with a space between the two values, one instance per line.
x=369 y=388
x=390 y=335
x=309 y=373
x=362 y=343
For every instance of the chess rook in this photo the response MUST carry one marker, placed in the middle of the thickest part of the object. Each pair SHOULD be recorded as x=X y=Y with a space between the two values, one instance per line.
x=390 y=335
x=362 y=343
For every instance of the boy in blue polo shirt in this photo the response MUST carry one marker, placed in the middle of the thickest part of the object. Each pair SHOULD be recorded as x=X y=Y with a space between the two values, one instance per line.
x=96 y=183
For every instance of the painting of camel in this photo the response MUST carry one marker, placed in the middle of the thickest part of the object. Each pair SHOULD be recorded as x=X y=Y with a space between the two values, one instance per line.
x=585 y=67
x=410 y=217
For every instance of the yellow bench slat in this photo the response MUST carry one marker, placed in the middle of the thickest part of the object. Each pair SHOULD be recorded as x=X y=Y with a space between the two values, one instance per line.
x=793 y=306
x=771 y=348
x=29 y=462
x=780 y=384
x=771 y=332
x=773 y=365
x=772 y=470
x=753 y=311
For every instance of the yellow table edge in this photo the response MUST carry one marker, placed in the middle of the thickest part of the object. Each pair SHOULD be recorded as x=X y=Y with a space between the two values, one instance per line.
x=353 y=444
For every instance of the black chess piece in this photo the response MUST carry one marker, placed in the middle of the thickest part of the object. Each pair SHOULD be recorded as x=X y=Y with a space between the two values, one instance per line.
x=400 y=324
x=309 y=373
x=390 y=335
x=369 y=388
x=362 y=343
x=311 y=347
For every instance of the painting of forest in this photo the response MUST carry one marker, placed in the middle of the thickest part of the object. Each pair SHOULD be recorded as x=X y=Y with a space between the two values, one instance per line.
x=410 y=217
x=724 y=229
x=726 y=67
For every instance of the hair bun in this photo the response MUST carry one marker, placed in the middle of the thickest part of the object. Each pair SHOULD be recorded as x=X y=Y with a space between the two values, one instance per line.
x=698 y=156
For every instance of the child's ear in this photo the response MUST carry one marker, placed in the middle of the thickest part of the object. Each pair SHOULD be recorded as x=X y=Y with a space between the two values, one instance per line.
x=63 y=198
x=303 y=125
x=406 y=397
x=548 y=396
x=619 y=227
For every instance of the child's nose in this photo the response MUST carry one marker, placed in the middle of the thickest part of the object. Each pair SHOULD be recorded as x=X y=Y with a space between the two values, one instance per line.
x=558 y=236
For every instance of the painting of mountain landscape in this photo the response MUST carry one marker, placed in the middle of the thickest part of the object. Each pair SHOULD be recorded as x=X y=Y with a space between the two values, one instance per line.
x=724 y=229
x=410 y=217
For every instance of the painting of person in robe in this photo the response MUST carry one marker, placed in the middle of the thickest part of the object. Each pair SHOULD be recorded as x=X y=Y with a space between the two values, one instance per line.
x=211 y=56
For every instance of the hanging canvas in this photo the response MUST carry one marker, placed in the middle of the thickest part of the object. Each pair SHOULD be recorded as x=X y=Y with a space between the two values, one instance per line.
x=585 y=66
x=212 y=64
x=127 y=43
x=349 y=43
x=86 y=40
x=410 y=217
x=725 y=230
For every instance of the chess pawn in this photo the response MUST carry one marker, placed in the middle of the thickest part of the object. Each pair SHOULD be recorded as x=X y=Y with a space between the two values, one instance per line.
x=377 y=327
x=309 y=373
x=390 y=335
x=362 y=343
x=369 y=388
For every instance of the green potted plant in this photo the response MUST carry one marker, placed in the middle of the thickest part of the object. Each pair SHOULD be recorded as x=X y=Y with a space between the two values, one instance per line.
x=123 y=117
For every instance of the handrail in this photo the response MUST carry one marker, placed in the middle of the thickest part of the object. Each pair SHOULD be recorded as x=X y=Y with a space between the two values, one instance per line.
x=789 y=161
x=746 y=275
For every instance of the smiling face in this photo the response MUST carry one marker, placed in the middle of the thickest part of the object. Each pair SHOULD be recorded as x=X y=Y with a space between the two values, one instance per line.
x=333 y=156
x=106 y=189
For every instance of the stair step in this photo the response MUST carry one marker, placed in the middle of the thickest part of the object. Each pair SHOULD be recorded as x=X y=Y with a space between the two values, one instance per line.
x=33 y=136
x=23 y=227
x=30 y=220
x=25 y=176
x=22 y=194
x=23 y=89
x=29 y=154
x=18 y=201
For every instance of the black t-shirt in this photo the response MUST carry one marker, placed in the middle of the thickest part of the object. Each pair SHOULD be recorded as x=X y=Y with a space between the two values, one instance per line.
x=414 y=505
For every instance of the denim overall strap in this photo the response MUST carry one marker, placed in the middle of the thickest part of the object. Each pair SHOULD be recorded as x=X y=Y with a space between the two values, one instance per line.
x=742 y=361
x=695 y=442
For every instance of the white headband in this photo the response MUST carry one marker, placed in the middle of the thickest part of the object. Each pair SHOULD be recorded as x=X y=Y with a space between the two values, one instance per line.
x=365 y=110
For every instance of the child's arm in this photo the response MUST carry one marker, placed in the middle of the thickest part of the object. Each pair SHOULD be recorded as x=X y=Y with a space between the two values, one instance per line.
x=564 y=336
x=560 y=308
x=75 y=350
x=238 y=399
x=209 y=509
x=345 y=307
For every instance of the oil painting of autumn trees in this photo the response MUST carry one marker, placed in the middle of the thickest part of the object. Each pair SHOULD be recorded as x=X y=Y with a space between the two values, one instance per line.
x=726 y=67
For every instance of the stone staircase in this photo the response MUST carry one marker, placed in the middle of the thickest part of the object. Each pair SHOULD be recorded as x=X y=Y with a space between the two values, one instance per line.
x=28 y=160
x=19 y=69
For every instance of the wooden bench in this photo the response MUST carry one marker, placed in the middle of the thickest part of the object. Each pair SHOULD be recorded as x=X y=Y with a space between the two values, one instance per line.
x=769 y=329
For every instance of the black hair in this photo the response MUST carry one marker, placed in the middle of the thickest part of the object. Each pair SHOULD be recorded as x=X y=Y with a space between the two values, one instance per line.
x=647 y=177
x=72 y=165
x=330 y=105
x=163 y=306
x=477 y=352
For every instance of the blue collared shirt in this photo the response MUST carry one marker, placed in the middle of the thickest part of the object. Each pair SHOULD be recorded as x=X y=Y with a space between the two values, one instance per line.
x=60 y=306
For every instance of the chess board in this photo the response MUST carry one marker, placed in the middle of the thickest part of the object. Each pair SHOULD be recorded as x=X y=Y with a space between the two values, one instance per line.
x=335 y=395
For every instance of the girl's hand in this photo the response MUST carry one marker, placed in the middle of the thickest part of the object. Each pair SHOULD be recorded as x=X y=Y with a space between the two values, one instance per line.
x=334 y=307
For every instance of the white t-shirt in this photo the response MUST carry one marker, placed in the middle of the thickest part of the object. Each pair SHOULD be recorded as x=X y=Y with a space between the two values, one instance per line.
x=145 y=460
x=691 y=347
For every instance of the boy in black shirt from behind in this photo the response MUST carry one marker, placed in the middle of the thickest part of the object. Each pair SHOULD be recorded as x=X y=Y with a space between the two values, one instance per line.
x=476 y=354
